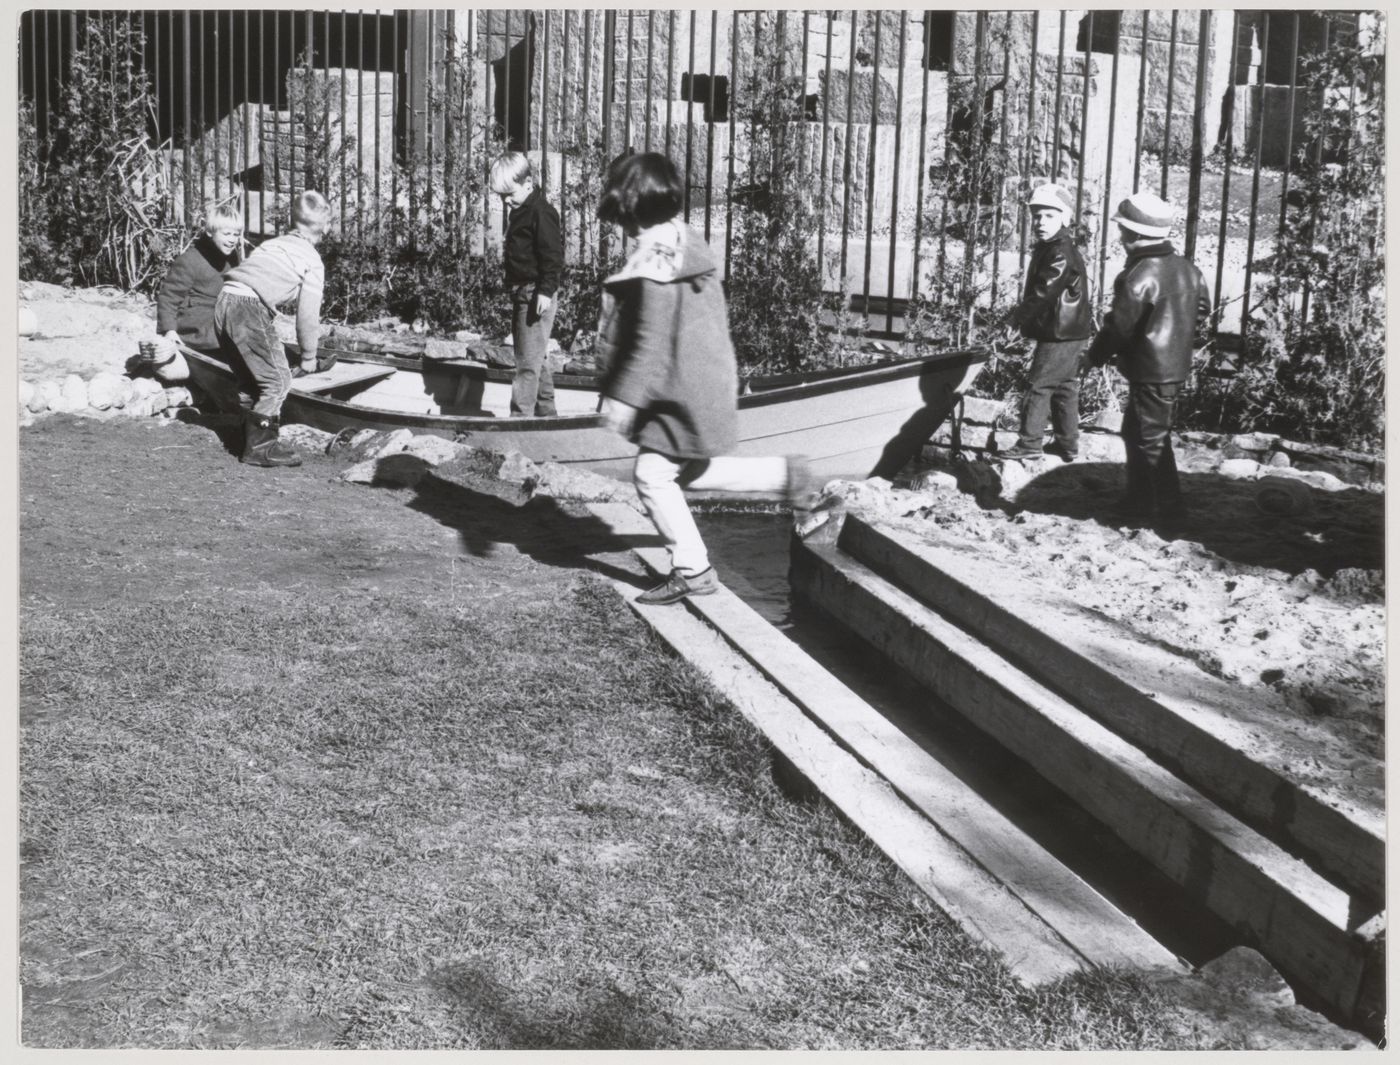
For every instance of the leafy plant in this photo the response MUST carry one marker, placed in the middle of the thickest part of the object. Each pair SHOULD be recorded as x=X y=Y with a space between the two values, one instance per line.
x=1313 y=366
x=780 y=316
x=95 y=207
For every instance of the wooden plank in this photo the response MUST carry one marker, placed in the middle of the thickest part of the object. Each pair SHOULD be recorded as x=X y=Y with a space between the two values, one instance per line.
x=1291 y=914
x=979 y=904
x=1127 y=683
x=342 y=373
x=1084 y=918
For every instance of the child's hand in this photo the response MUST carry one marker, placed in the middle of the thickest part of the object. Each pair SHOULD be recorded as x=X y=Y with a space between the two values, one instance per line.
x=617 y=416
x=542 y=304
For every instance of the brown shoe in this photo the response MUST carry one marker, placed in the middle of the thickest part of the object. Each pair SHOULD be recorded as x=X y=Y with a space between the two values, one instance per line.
x=679 y=585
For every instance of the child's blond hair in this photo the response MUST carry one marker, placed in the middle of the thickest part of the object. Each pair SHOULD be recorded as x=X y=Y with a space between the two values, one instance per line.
x=219 y=215
x=311 y=209
x=510 y=170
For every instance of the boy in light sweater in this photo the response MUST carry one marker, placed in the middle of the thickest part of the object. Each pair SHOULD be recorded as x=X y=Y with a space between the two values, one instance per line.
x=279 y=271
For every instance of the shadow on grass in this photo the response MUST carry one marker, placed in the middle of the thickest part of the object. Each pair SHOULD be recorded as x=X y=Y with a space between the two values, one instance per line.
x=538 y=527
x=1337 y=530
x=600 y=1017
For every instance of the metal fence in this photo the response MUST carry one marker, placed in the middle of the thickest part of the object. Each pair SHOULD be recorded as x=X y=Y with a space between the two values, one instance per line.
x=915 y=134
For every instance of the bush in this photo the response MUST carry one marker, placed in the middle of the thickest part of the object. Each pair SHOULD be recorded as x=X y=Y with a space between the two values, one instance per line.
x=1313 y=365
x=95 y=203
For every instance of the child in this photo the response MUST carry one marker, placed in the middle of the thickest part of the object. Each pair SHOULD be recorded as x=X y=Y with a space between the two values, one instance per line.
x=1160 y=308
x=534 y=256
x=283 y=269
x=1054 y=312
x=185 y=305
x=670 y=381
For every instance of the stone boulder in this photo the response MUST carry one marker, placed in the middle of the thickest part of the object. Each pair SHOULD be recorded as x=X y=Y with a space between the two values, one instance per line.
x=399 y=470
x=45 y=392
x=434 y=450
x=109 y=391
x=379 y=443
x=305 y=436
x=72 y=396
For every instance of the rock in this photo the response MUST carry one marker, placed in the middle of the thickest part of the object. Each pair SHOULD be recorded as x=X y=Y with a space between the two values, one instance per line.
x=981 y=411
x=446 y=349
x=434 y=450
x=109 y=390
x=178 y=396
x=1314 y=478
x=935 y=481
x=72 y=396
x=1109 y=420
x=465 y=336
x=26 y=392
x=399 y=470
x=1282 y=497
x=517 y=469
x=26 y=418
x=1016 y=475
x=1280 y=459
x=45 y=392
x=28 y=322
x=142 y=387
x=306 y=437
x=379 y=444
x=1242 y=469
x=1253 y=441
x=558 y=481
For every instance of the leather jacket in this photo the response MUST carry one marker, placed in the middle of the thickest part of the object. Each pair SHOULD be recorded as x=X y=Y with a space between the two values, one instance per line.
x=1055 y=303
x=1160 y=306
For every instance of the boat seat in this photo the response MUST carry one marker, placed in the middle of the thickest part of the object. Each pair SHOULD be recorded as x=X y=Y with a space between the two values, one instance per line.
x=339 y=375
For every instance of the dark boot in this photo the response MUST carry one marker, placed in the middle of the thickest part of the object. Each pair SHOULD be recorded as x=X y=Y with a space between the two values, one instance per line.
x=261 y=446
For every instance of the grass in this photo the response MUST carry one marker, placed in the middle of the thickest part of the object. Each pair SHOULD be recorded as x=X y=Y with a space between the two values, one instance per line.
x=252 y=817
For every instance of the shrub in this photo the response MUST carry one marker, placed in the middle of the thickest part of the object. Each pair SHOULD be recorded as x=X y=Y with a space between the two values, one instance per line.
x=95 y=208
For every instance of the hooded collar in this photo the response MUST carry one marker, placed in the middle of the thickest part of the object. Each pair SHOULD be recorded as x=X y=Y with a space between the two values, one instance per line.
x=667 y=252
x=1157 y=247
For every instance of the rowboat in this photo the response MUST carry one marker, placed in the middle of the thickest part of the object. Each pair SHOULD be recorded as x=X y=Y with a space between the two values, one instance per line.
x=848 y=422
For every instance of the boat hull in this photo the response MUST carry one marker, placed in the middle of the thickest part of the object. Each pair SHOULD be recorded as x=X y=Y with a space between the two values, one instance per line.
x=853 y=425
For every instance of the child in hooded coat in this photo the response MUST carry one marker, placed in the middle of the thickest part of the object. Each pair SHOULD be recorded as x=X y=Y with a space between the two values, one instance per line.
x=671 y=381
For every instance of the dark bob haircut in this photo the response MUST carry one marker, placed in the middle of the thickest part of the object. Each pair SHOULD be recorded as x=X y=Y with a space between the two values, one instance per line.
x=642 y=190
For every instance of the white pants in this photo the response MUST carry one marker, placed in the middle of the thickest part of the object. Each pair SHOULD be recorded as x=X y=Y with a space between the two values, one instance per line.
x=660 y=478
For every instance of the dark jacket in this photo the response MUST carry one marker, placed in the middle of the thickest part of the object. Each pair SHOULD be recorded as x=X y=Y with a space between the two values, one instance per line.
x=1055 y=303
x=664 y=343
x=1160 y=305
x=186 y=299
x=534 y=251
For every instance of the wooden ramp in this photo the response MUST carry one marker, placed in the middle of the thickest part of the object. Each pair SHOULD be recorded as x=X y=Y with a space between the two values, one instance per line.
x=1302 y=889
x=996 y=882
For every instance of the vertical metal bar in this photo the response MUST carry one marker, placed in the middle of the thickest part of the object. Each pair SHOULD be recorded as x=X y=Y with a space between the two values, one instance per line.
x=870 y=167
x=710 y=124
x=670 y=72
x=1317 y=164
x=826 y=129
x=528 y=56
x=801 y=116
x=846 y=168
x=1288 y=135
x=894 y=190
x=1108 y=164
x=1059 y=94
x=1141 y=104
x=218 y=42
x=233 y=167
x=564 y=109
x=651 y=48
x=544 y=109
x=1001 y=159
x=923 y=161
x=606 y=90
x=1084 y=116
x=1198 y=134
x=975 y=191
x=189 y=135
x=733 y=138
x=1021 y=211
x=947 y=190
x=583 y=108
x=449 y=131
x=397 y=94
x=1171 y=96
x=627 y=90
x=690 y=115
x=1254 y=190
x=360 y=122
x=1225 y=178
x=378 y=122
x=344 y=46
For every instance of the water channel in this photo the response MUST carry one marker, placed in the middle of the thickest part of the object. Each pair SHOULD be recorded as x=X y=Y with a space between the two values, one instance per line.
x=750 y=550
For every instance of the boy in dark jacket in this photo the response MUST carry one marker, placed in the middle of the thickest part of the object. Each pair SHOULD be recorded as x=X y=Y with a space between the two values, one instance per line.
x=534 y=256
x=185 y=304
x=1054 y=312
x=1160 y=307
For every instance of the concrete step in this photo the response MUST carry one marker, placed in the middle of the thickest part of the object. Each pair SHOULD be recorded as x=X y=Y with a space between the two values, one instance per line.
x=1000 y=885
x=1199 y=726
x=1302 y=922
